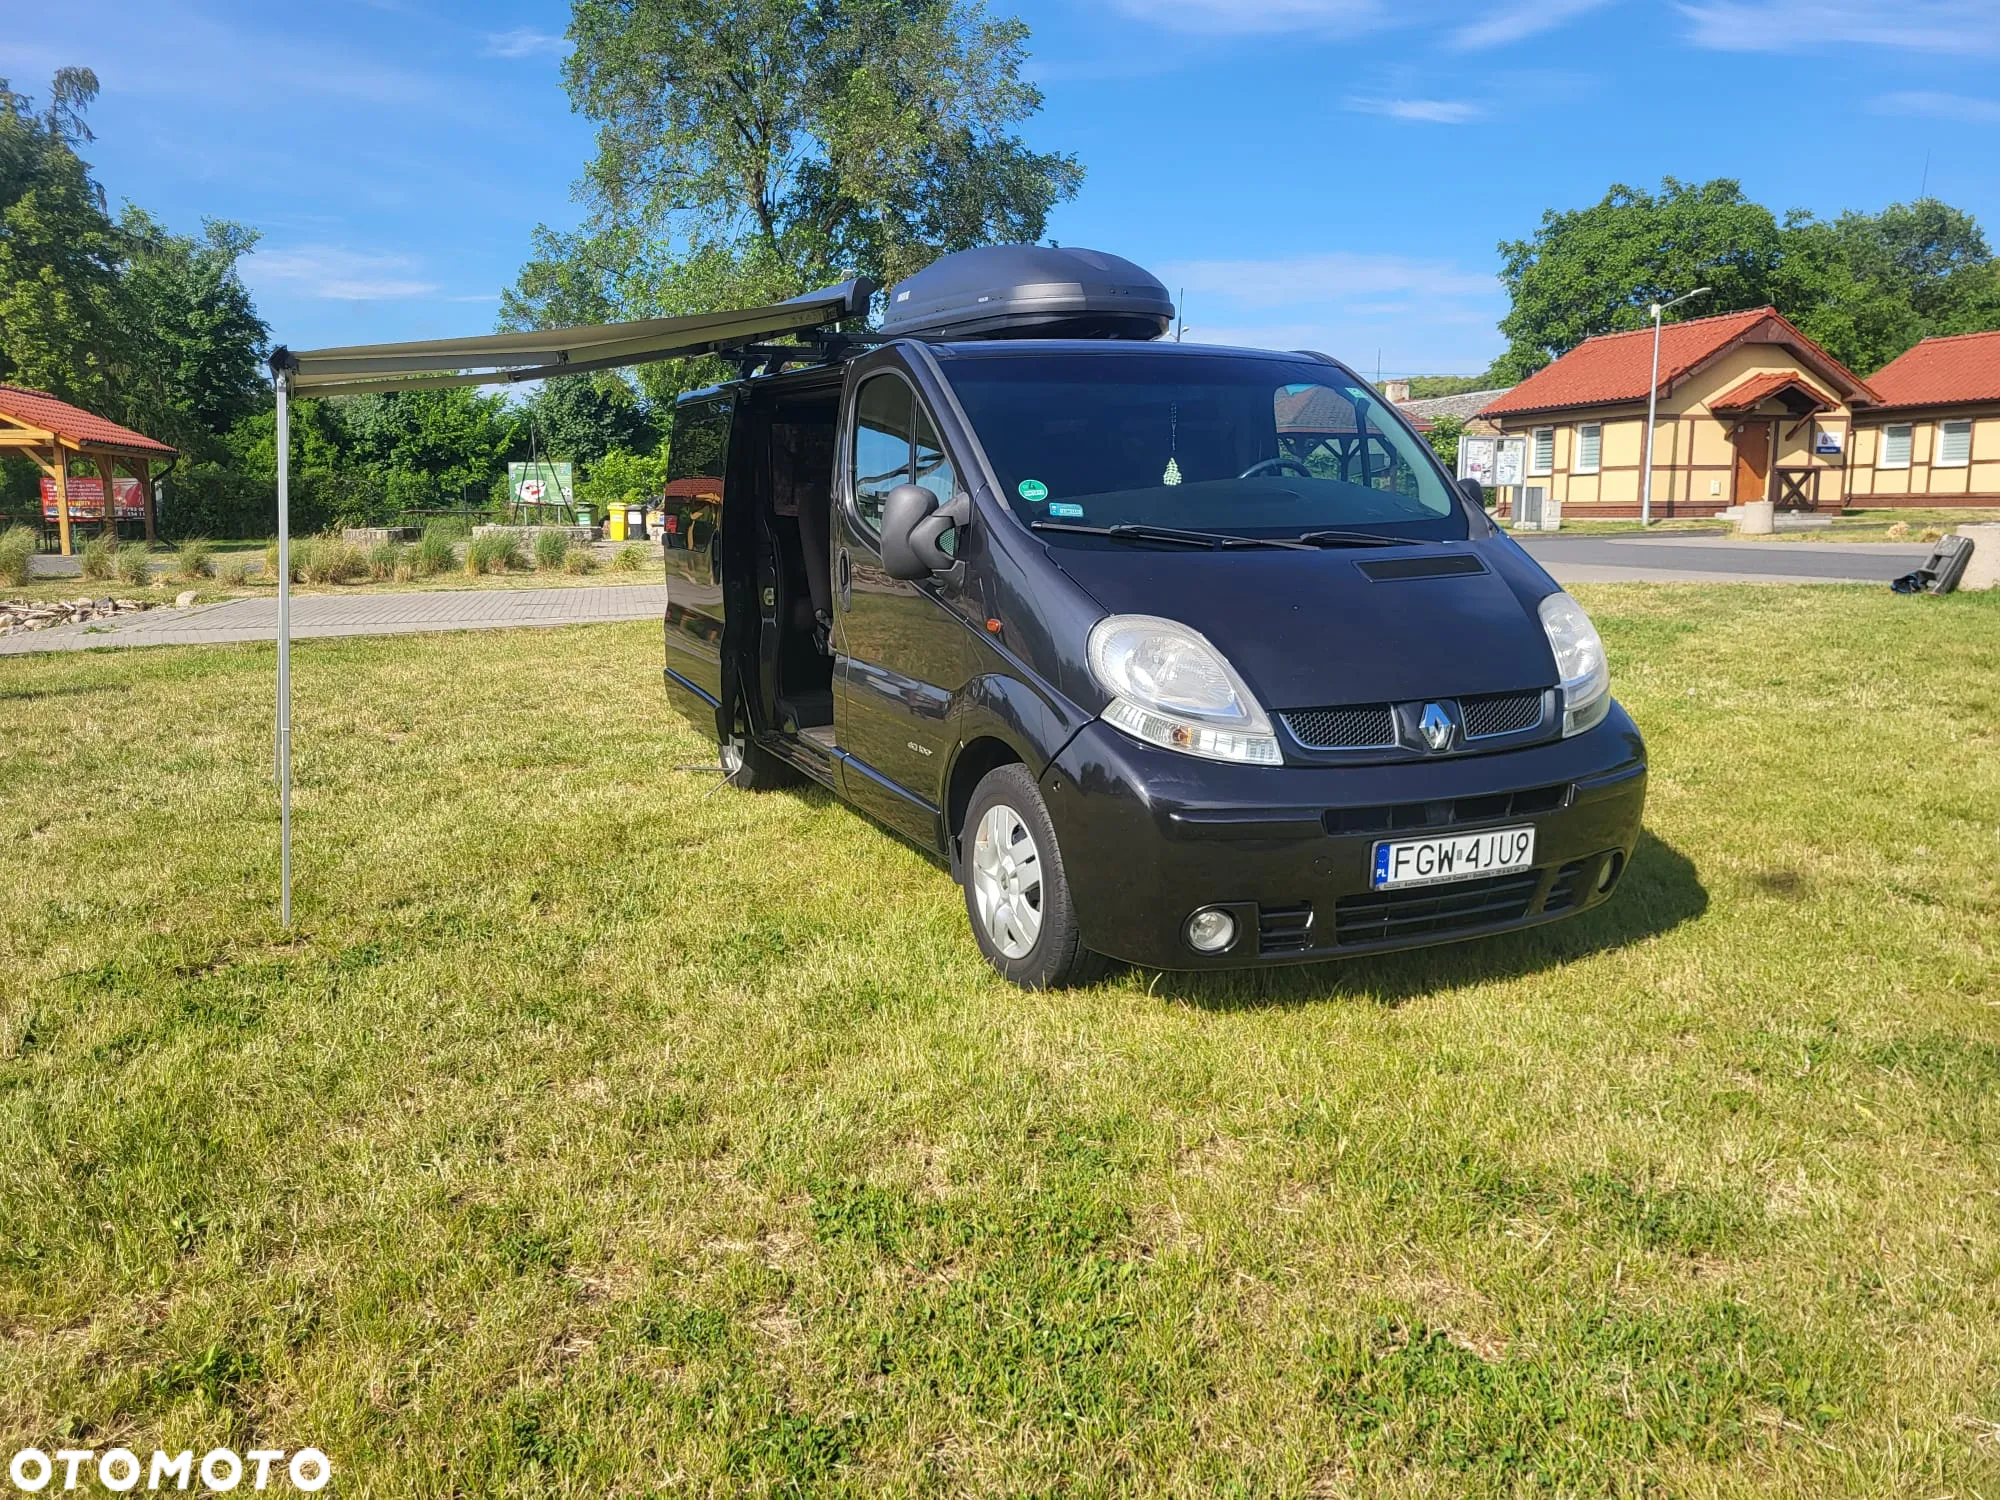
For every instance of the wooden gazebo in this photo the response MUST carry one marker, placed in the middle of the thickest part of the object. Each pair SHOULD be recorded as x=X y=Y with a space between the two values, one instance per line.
x=55 y=434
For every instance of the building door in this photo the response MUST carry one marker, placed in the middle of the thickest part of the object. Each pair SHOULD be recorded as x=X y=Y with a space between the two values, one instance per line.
x=1753 y=460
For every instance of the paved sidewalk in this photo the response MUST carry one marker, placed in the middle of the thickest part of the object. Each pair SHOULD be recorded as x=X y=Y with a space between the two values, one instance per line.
x=1668 y=557
x=317 y=615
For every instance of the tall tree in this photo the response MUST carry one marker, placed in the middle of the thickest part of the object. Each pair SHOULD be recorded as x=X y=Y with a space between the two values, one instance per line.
x=1597 y=269
x=65 y=320
x=201 y=341
x=1864 y=285
x=583 y=417
x=753 y=149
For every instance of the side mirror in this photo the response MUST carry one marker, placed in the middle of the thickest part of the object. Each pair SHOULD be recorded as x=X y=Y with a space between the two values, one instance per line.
x=1474 y=491
x=913 y=524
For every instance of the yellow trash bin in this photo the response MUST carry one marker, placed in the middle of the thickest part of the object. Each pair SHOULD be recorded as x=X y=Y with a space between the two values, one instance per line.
x=614 y=523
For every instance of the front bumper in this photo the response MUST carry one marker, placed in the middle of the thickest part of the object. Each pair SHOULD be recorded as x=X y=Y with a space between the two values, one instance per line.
x=1149 y=837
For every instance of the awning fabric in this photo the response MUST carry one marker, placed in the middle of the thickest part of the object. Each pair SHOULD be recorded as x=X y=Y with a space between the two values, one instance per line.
x=507 y=358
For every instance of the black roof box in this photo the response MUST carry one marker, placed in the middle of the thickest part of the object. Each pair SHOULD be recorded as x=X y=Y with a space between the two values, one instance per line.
x=1029 y=291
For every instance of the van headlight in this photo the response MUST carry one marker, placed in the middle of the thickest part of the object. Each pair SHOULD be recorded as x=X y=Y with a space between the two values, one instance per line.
x=1171 y=688
x=1580 y=663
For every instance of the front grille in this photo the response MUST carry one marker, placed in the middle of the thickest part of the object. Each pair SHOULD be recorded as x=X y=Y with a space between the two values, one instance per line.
x=1384 y=916
x=1284 y=929
x=1503 y=713
x=1363 y=726
x=1444 y=813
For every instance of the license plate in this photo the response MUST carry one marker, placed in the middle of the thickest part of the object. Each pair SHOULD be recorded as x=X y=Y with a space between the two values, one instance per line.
x=1464 y=856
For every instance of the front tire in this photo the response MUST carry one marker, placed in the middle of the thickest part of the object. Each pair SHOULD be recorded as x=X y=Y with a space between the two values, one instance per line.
x=1017 y=895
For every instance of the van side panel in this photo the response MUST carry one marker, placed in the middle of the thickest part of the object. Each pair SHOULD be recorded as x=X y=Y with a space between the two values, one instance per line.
x=696 y=466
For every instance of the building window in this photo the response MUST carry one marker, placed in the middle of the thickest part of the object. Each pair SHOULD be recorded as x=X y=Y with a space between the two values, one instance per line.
x=1954 y=444
x=1589 y=447
x=1895 y=447
x=1542 y=451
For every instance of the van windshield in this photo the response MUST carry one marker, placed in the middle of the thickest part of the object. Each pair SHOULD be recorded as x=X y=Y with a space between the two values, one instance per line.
x=1254 y=447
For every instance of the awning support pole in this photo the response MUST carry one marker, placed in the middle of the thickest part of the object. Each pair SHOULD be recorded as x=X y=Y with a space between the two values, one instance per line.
x=282 y=365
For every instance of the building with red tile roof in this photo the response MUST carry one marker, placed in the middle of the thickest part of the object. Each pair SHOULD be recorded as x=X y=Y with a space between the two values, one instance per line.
x=54 y=435
x=1749 y=408
x=1934 y=436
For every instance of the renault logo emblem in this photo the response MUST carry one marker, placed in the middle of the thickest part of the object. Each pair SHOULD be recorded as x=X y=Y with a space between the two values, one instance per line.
x=1436 y=726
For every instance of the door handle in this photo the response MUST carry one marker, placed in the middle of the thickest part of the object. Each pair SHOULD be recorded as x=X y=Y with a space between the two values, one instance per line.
x=844 y=573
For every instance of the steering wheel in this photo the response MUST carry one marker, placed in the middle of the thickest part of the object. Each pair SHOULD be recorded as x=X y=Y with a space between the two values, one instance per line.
x=1274 y=465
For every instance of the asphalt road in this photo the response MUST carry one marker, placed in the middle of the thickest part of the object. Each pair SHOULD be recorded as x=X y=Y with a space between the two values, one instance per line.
x=1670 y=557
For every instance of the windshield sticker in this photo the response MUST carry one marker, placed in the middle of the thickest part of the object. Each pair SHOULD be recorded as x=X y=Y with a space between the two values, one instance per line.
x=1073 y=512
x=1033 y=489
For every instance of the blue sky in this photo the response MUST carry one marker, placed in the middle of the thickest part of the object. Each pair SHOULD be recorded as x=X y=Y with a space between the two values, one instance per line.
x=1323 y=173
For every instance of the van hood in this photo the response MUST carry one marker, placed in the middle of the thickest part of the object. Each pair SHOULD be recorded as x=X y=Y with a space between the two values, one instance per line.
x=1307 y=629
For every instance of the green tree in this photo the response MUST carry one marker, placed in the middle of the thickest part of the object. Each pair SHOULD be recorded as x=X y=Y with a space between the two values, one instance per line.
x=749 y=150
x=66 y=325
x=1443 y=438
x=583 y=417
x=199 y=369
x=1597 y=269
x=432 y=448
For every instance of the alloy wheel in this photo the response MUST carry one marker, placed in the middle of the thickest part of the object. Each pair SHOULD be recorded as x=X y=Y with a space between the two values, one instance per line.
x=1007 y=881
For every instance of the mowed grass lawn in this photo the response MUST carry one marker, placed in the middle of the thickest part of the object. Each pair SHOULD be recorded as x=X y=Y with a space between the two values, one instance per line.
x=597 y=1135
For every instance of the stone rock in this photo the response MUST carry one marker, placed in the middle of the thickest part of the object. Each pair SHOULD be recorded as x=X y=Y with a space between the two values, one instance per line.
x=1982 y=569
x=185 y=599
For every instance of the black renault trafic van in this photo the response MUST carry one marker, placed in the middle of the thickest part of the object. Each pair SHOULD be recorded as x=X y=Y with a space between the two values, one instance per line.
x=1189 y=656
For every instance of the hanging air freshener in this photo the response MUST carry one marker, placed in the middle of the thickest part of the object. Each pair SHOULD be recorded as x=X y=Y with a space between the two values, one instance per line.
x=1173 y=474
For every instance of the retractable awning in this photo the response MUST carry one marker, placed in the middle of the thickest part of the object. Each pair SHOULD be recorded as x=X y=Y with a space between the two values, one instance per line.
x=495 y=359
x=508 y=358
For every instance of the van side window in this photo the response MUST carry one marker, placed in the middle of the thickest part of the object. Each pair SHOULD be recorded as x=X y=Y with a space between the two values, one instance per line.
x=697 y=461
x=882 y=413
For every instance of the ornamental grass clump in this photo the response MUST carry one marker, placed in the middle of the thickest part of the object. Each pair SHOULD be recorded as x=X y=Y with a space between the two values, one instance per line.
x=331 y=560
x=17 y=545
x=434 y=553
x=385 y=561
x=134 y=564
x=233 y=572
x=551 y=550
x=493 y=552
x=628 y=558
x=100 y=559
x=194 y=559
x=579 y=560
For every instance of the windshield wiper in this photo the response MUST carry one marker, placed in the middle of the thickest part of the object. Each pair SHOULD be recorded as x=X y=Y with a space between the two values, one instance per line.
x=1133 y=532
x=1355 y=539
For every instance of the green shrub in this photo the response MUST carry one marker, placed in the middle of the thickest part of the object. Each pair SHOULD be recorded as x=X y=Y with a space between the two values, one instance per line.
x=385 y=560
x=435 y=553
x=100 y=559
x=233 y=572
x=551 y=550
x=194 y=559
x=629 y=558
x=135 y=564
x=17 y=545
x=494 y=552
x=579 y=560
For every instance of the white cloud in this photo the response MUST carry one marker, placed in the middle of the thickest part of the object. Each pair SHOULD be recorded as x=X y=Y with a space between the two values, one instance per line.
x=1514 y=23
x=1806 y=25
x=1255 y=17
x=1426 y=111
x=524 y=41
x=1938 y=107
x=340 y=275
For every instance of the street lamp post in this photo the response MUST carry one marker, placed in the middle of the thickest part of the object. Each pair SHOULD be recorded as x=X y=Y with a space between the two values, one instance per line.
x=1653 y=405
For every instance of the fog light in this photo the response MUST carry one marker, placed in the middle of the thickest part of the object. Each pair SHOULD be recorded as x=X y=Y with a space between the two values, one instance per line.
x=1608 y=876
x=1210 y=930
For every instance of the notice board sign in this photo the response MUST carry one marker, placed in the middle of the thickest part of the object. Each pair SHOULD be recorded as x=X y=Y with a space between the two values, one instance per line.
x=86 y=499
x=1493 y=461
x=544 y=482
